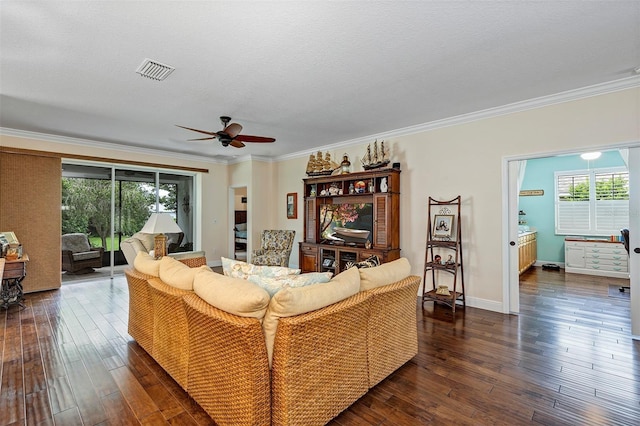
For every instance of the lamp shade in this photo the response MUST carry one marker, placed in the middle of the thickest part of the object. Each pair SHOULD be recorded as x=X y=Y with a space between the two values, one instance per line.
x=160 y=223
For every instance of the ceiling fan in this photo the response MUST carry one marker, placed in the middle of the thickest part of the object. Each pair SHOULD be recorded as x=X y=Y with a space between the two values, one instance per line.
x=230 y=134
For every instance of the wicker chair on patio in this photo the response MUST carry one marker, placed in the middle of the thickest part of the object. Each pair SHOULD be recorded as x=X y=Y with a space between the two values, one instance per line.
x=78 y=257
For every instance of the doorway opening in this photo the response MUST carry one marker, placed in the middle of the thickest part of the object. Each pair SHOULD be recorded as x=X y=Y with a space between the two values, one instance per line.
x=240 y=239
x=541 y=216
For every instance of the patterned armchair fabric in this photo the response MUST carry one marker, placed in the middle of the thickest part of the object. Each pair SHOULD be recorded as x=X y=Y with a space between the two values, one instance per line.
x=275 y=248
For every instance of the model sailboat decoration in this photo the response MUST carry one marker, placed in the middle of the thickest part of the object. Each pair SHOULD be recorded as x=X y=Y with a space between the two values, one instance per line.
x=376 y=159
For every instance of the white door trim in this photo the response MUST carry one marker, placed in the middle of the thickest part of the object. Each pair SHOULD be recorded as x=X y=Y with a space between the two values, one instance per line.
x=510 y=275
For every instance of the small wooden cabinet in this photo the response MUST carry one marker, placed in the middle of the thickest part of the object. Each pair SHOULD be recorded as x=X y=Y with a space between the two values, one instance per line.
x=372 y=196
x=11 y=276
x=596 y=257
x=527 y=250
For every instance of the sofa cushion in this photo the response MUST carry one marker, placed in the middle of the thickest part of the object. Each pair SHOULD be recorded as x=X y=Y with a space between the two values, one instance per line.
x=147 y=240
x=234 y=295
x=273 y=284
x=146 y=264
x=295 y=301
x=239 y=269
x=384 y=274
x=76 y=242
x=176 y=274
x=85 y=255
x=137 y=244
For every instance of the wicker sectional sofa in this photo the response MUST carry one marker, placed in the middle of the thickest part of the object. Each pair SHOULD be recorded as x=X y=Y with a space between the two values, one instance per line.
x=213 y=339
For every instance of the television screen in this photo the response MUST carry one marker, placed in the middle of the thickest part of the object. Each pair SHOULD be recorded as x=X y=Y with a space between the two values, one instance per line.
x=348 y=223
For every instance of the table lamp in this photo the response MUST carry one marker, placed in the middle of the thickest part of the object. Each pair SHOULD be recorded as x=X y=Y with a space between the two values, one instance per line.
x=160 y=224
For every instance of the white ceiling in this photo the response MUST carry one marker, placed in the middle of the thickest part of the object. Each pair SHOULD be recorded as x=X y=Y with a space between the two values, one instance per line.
x=309 y=74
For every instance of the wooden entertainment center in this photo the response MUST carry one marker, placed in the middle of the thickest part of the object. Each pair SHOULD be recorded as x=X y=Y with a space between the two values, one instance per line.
x=373 y=193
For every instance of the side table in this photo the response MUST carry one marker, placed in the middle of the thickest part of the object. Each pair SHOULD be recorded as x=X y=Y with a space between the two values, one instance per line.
x=11 y=292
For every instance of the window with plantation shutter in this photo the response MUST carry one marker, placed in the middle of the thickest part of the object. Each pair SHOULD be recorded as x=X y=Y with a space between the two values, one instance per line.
x=593 y=202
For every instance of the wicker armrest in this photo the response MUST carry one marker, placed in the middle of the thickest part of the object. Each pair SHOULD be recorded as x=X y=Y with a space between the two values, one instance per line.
x=320 y=362
x=170 y=333
x=228 y=366
x=140 y=324
x=392 y=334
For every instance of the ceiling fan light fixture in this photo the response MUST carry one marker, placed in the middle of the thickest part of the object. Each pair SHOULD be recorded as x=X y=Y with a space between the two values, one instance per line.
x=154 y=69
x=590 y=155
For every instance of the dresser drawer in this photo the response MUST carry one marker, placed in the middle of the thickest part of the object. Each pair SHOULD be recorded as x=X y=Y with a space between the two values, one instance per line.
x=605 y=258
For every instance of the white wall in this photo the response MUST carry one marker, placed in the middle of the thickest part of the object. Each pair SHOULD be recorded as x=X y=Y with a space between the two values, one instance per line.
x=466 y=160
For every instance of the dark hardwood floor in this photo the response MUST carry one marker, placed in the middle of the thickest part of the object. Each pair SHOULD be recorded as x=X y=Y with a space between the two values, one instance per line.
x=567 y=359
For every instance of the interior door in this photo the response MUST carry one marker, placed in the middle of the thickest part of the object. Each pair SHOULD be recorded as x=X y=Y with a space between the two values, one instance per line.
x=634 y=238
x=511 y=293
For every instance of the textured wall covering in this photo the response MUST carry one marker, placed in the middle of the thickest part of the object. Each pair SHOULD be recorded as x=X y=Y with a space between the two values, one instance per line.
x=30 y=194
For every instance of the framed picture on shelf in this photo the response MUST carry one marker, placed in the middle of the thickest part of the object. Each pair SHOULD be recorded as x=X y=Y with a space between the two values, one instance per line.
x=292 y=205
x=442 y=225
x=327 y=262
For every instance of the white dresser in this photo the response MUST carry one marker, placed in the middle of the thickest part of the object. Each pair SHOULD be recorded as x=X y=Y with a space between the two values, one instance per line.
x=596 y=257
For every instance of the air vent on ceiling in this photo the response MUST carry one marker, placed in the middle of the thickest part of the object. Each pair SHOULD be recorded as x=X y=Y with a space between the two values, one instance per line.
x=154 y=69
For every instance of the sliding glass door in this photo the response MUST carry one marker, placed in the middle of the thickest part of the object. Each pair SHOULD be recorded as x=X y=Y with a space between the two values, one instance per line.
x=111 y=203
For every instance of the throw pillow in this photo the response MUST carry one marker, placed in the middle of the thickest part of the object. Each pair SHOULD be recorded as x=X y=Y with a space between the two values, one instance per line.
x=146 y=264
x=295 y=301
x=148 y=240
x=239 y=269
x=370 y=262
x=384 y=274
x=176 y=274
x=233 y=295
x=273 y=284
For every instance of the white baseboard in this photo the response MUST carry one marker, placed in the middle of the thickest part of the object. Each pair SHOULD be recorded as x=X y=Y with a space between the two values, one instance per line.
x=487 y=305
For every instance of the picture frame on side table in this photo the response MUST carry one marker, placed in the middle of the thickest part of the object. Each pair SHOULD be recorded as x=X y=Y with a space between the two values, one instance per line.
x=443 y=225
x=292 y=205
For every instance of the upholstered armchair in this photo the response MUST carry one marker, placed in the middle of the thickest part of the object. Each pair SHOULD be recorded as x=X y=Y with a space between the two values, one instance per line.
x=78 y=257
x=275 y=248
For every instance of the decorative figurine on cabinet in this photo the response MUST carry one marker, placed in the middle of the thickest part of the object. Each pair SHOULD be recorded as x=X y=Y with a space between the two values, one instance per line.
x=383 y=185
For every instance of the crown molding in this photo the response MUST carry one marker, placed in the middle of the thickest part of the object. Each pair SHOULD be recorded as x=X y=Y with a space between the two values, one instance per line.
x=5 y=131
x=249 y=157
x=540 y=102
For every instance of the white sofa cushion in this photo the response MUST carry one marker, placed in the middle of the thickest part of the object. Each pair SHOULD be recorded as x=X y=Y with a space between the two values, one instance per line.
x=234 y=295
x=384 y=274
x=147 y=240
x=146 y=264
x=177 y=274
x=295 y=301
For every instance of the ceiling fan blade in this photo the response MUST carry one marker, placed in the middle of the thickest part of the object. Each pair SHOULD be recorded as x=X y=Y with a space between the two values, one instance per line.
x=236 y=143
x=198 y=130
x=233 y=130
x=249 y=138
x=203 y=139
